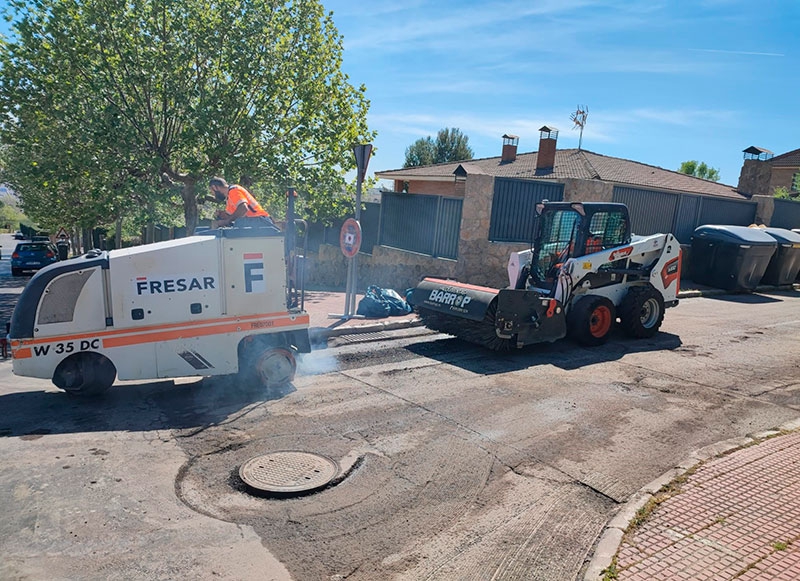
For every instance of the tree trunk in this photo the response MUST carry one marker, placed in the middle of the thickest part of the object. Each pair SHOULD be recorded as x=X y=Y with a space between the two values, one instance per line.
x=190 y=213
x=118 y=234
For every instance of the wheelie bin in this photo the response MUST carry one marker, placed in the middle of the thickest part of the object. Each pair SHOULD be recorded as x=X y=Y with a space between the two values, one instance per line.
x=731 y=257
x=785 y=263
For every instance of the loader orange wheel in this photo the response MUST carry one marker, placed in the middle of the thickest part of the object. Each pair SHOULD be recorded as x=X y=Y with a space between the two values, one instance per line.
x=600 y=321
x=590 y=320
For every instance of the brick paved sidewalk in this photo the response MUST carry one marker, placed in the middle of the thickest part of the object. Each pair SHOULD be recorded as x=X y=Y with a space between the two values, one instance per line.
x=737 y=517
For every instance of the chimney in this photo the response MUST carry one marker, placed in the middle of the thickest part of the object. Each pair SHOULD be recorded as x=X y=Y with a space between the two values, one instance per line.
x=510 y=143
x=756 y=175
x=546 y=158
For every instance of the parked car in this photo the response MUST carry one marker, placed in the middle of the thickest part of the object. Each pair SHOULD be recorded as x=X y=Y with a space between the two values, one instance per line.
x=32 y=256
x=19 y=235
x=41 y=239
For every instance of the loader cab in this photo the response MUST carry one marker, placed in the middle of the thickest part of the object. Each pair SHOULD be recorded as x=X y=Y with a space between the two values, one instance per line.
x=566 y=230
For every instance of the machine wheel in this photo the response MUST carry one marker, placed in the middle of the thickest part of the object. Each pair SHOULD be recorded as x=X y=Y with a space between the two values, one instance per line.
x=268 y=360
x=590 y=321
x=86 y=373
x=641 y=311
x=16 y=271
x=275 y=367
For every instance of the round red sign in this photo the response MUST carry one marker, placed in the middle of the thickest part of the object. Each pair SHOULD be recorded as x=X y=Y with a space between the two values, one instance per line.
x=350 y=237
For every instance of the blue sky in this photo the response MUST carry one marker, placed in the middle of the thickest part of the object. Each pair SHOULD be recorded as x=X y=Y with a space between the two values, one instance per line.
x=664 y=81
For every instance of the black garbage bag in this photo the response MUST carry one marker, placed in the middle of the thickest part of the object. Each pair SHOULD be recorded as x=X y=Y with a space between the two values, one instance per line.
x=380 y=302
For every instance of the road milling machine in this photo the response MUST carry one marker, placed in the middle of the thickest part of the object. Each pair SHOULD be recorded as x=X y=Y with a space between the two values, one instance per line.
x=217 y=303
x=584 y=272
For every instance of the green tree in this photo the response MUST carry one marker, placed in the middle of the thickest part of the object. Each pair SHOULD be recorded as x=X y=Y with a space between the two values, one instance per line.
x=450 y=145
x=699 y=170
x=134 y=104
x=783 y=193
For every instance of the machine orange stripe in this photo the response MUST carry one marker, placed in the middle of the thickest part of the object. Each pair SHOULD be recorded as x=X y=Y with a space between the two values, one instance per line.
x=24 y=353
x=245 y=319
x=236 y=327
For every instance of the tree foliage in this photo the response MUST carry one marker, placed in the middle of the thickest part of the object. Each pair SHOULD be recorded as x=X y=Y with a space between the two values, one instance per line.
x=699 y=170
x=783 y=193
x=126 y=107
x=450 y=145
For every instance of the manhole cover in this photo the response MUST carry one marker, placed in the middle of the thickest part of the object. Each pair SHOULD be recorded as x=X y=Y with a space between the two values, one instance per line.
x=288 y=472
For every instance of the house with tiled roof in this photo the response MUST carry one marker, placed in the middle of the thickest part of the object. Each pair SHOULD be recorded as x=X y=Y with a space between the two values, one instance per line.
x=486 y=206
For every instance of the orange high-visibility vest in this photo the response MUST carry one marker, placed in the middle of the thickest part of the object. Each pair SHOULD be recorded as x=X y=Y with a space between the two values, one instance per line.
x=238 y=195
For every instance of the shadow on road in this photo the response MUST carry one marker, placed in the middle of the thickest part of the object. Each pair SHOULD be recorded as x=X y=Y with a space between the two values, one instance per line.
x=748 y=299
x=563 y=354
x=133 y=407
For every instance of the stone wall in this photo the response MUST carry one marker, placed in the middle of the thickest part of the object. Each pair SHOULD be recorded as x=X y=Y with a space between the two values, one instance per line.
x=764 y=209
x=479 y=261
x=386 y=267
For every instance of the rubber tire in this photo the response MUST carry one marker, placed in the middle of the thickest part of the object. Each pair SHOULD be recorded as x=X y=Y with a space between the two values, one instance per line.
x=267 y=360
x=85 y=374
x=590 y=321
x=275 y=367
x=16 y=271
x=641 y=312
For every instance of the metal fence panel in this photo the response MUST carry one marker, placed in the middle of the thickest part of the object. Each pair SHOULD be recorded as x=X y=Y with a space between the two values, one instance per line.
x=514 y=207
x=448 y=228
x=370 y=220
x=408 y=222
x=686 y=219
x=652 y=212
x=728 y=212
x=786 y=215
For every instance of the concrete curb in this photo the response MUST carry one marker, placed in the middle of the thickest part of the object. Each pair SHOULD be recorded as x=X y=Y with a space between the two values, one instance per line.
x=611 y=537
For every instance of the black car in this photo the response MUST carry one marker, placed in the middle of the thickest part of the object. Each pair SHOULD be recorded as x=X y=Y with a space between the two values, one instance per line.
x=32 y=256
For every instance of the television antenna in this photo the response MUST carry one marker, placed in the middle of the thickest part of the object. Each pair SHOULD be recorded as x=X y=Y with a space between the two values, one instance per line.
x=579 y=119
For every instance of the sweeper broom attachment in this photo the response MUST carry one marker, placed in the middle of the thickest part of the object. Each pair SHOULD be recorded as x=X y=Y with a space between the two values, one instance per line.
x=498 y=319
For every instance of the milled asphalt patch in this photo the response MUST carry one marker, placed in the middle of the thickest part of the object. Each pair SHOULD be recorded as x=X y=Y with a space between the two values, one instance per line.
x=610 y=540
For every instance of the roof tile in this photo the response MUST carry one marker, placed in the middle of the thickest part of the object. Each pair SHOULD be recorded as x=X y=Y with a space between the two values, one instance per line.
x=577 y=164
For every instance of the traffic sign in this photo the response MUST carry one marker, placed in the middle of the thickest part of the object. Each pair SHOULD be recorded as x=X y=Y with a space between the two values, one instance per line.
x=62 y=233
x=350 y=237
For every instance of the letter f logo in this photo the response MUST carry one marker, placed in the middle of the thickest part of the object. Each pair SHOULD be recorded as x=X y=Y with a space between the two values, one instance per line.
x=254 y=273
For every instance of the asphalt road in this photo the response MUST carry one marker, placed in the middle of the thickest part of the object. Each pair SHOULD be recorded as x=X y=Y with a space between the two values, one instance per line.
x=460 y=463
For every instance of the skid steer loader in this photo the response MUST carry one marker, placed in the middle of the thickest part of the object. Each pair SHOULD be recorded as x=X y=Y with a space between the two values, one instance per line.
x=212 y=304
x=583 y=272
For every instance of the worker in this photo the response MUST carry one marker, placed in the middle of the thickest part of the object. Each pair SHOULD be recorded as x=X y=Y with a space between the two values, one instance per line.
x=241 y=208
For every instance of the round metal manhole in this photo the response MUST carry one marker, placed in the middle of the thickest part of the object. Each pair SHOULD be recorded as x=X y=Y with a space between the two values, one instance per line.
x=288 y=472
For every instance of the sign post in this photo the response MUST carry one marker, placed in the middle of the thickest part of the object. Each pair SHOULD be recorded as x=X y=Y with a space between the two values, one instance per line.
x=362 y=153
x=350 y=235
